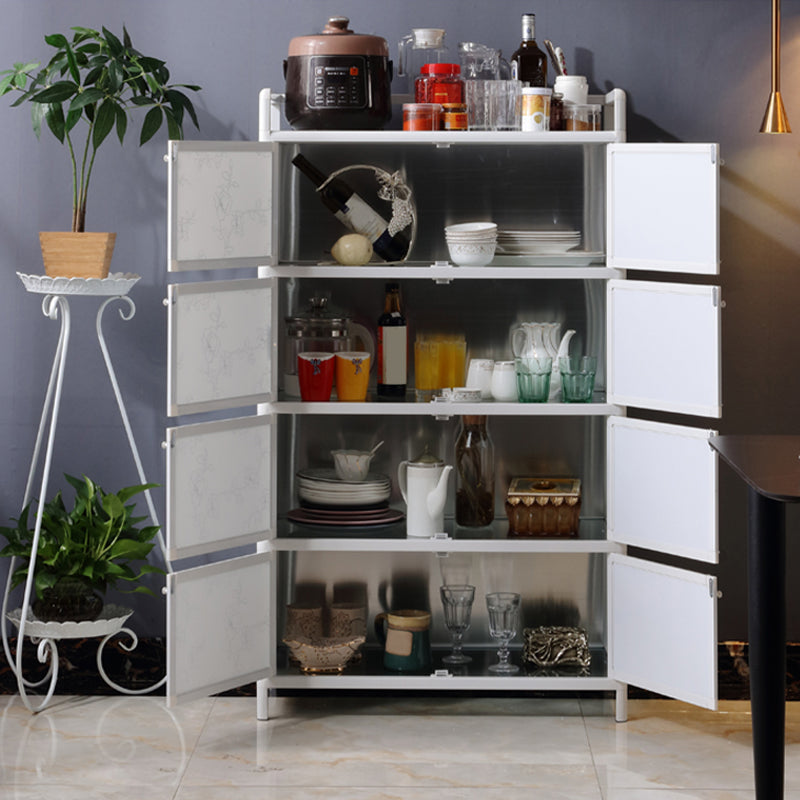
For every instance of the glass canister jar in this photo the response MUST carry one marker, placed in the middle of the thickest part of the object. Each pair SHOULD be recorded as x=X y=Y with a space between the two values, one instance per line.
x=439 y=83
x=320 y=328
x=474 y=462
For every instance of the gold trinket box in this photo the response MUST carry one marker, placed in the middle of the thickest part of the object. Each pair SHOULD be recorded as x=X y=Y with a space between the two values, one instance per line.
x=551 y=645
x=543 y=507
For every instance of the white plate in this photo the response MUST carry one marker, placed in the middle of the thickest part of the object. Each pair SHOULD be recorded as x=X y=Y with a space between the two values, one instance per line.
x=115 y=285
x=328 y=475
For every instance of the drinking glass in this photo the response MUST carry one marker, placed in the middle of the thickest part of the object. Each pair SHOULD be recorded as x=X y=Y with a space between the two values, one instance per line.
x=533 y=378
x=577 y=378
x=503 y=608
x=457 y=603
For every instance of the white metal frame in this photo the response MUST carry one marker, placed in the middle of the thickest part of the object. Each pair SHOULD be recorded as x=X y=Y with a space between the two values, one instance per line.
x=56 y=306
x=562 y=267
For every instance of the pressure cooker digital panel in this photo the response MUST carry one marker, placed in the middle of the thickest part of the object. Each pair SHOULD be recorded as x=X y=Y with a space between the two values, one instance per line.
x=337 y=82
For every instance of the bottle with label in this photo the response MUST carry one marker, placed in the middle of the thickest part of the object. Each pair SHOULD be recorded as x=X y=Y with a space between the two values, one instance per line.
x=392 y=347
x=474 y=463
x=355 y=213
x=529 y=63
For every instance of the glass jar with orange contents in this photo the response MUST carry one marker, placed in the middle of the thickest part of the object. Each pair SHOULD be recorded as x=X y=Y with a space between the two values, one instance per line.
x=439 y=83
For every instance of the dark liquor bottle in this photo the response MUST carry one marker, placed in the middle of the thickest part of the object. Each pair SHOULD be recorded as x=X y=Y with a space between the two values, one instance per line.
x=529 y=63
x=392 y=347
x=355 y=213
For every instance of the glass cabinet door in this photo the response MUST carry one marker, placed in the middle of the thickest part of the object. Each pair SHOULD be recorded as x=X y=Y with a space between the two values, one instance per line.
x=664 y=346
x=663 y=207
x=221 y=346
x=220 y=624
x=663 y=629
x=220 y=204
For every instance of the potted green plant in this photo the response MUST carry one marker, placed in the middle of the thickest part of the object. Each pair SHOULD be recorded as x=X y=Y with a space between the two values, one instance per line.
x=87 y=90
x=81 y=551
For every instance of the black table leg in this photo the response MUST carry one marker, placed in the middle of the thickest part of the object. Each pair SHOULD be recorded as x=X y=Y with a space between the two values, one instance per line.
x=767 y=634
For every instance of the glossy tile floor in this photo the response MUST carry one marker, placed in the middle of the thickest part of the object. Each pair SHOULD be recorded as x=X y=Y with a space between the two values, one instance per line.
x=447 y=748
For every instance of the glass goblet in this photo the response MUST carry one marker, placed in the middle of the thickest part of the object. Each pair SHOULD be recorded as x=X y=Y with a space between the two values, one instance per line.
x=457 y=603
x=503 y=608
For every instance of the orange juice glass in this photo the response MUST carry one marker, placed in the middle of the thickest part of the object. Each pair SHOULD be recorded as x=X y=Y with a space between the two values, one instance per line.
x=426 y=368
x=452 y=361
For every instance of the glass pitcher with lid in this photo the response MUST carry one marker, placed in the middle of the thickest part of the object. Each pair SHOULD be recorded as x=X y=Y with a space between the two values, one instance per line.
x=324 y=329
x=421 y=46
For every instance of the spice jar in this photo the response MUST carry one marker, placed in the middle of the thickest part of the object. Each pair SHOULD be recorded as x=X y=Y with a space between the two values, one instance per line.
x=474 y=462
x=557 y=112
x=454 y=117
x=582 y=117
x=439 y=83
x=421 y=116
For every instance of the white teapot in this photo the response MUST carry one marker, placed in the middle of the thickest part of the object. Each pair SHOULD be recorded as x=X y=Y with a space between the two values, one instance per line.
x=537 y=339
x=423 y=484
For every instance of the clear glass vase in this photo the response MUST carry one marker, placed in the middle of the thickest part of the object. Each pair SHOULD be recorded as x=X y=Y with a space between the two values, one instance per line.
x=474 y=462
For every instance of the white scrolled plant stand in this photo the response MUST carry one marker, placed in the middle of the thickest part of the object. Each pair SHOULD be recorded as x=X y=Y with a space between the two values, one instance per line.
x=111 y=623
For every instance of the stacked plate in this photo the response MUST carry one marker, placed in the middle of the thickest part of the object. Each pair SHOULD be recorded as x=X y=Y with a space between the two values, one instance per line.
x=536 y=242
x=322 y=488
x=471 y=244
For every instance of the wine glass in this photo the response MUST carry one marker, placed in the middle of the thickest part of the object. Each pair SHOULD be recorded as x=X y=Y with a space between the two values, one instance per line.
x=503 y=608
x=457 y=602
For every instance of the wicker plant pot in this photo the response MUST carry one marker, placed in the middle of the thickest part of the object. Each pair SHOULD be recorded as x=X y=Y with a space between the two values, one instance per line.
x=77 y=255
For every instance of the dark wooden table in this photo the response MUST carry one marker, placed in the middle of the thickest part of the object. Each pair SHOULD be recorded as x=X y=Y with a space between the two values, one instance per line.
x=770 y=466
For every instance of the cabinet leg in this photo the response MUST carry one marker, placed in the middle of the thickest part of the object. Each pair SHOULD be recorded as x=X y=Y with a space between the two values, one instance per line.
x=621 y=703
x=262 y=700
x=767 y=634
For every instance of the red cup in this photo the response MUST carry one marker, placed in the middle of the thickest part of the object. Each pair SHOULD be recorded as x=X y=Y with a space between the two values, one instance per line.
x=315 y=373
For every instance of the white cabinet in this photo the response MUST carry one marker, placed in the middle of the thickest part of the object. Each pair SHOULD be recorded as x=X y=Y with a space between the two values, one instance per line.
x=239 y=439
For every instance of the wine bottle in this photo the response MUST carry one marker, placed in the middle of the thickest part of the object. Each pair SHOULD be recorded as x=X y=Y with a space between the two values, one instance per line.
x=392 y=347
x=355 y=213
x=529 y=63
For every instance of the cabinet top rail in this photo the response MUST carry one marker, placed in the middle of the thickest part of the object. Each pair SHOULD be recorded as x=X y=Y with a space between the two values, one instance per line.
x=273 y=127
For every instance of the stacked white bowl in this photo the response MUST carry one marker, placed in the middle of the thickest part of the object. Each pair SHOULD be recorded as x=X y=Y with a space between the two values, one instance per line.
x=471 y=244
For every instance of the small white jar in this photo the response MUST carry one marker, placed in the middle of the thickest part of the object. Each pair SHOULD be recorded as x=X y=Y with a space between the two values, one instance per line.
x=504 y=382
x=479 y=376
x=536 y=108
x=574 y=88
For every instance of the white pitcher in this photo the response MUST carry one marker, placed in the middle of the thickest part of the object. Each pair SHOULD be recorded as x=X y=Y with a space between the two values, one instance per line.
x=423 y=484
x=537 y=339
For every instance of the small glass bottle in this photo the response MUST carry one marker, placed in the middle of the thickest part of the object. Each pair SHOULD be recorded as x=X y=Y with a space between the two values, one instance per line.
x=474 y=462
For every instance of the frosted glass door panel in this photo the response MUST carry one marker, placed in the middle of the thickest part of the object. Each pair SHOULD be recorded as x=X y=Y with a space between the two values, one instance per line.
x=663 y=629
x=663 y=207
x=664 y=347
x=662 y=488
x=220 y=485
x=218 y=622
x=219 y=205
x=221 y=345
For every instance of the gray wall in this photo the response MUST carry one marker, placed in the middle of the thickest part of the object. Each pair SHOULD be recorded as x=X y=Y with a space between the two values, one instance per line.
x=694 y=70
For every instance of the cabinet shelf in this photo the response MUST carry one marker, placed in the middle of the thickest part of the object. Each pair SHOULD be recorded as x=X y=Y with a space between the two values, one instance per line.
x=505 y=267
x=369 y=673
x=392 y=538
x=446 y=409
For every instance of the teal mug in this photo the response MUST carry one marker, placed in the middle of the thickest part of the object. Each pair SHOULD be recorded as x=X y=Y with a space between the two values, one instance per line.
x=405 y=636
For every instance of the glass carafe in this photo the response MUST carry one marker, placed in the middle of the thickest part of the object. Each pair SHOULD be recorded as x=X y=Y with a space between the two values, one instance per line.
x=474 y=462
x=421 y=46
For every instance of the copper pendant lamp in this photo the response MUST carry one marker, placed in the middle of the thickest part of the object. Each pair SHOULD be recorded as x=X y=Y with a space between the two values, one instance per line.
x=775 y=116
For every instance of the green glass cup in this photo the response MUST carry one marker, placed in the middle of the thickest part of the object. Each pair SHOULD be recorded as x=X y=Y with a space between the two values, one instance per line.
x=533 y=378
x=577 y=378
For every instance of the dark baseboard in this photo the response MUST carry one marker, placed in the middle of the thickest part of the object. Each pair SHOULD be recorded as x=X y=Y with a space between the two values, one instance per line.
x=145 y=666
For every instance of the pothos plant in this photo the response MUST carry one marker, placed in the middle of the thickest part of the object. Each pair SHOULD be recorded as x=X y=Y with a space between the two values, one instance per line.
x=98 y=540
x=95 y=80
